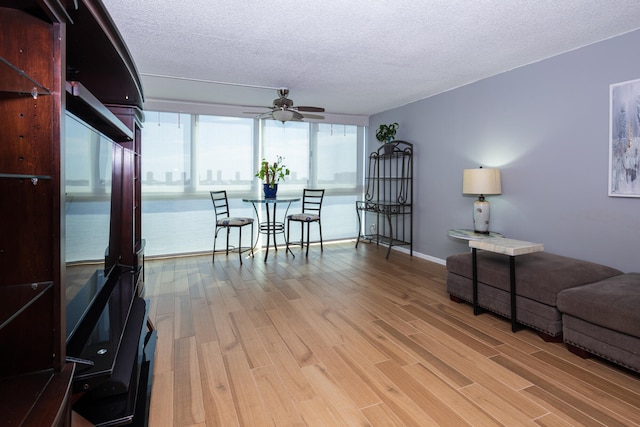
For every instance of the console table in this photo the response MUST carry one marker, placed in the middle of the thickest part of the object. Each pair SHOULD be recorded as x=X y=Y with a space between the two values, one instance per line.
x=511 y=248
x=469 y=234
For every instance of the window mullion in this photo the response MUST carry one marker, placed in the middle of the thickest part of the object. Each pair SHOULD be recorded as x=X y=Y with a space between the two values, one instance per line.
x=313 y=158
x=193 y=185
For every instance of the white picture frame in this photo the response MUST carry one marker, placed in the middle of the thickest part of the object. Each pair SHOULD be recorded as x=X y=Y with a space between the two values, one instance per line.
x=624 y=139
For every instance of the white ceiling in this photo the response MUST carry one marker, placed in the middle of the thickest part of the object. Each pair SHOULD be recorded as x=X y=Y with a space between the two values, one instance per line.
x=355 y=57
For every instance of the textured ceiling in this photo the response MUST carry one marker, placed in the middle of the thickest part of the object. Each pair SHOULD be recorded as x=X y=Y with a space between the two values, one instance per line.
x=351 y=57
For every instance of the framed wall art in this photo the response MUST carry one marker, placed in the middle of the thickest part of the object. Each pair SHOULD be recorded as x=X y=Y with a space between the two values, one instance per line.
x=624 y=139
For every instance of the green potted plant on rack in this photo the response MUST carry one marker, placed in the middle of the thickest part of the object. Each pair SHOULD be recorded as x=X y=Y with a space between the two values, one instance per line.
x=386 y=133
x=271 y=174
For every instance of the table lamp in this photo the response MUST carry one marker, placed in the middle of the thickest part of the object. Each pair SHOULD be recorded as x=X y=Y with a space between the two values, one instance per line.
x=481 y=182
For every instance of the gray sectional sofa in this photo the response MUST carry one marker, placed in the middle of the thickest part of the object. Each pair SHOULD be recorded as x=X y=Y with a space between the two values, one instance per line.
x=603 y=318
x=594 y=308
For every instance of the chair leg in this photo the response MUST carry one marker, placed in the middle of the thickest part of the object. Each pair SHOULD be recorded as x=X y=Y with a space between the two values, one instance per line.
x=213 y=255
x=240 y=244
x=308 y=235
x=320 y=229
x=251 y=242
x=302 y=234
x=286 y=238
x=227 y=228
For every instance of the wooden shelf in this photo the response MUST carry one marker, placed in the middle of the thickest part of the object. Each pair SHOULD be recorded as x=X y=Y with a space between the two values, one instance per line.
x=15 y=80
x=36 y=399
x=18 y=298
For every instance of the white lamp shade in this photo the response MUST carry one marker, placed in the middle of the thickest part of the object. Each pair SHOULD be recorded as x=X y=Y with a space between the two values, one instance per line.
x=481 y=181
x=283 y=115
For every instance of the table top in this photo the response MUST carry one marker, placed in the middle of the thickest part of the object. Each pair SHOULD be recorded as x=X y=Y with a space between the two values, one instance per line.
x=468 y=234
x=504 y=246
x=272 y=200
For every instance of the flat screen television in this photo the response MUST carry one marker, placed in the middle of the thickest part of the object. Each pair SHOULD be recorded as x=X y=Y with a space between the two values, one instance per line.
x=88 y=181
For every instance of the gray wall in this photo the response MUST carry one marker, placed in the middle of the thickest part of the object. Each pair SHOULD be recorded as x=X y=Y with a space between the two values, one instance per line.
x=546 y=125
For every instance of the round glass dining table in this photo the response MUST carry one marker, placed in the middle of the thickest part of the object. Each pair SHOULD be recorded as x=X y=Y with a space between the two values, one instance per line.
x=271 y=226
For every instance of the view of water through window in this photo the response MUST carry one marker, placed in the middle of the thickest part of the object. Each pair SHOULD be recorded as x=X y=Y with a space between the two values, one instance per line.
x=185 y=156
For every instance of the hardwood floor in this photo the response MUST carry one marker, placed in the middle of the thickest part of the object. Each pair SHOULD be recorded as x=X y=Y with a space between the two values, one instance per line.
x=348 y=338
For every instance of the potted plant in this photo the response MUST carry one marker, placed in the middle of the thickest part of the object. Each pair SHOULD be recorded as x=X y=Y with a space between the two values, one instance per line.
x=271 y=174
x=386 y=133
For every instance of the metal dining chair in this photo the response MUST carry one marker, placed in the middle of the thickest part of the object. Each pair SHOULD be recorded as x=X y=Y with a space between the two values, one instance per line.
x=225 y=221
x=311 y=207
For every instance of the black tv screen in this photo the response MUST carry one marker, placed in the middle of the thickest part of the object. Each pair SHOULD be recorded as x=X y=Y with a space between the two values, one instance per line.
x=88 y=169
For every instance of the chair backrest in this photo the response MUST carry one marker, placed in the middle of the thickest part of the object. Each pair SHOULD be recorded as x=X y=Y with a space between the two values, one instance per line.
x=312 y=200
x=220 y=203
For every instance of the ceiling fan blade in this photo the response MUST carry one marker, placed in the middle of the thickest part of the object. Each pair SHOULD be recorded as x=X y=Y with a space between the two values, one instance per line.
x=313 y=116
x=268 y=115
x=311 y=109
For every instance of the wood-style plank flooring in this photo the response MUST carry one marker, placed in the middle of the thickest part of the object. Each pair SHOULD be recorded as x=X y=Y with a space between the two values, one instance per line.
x=346 y=337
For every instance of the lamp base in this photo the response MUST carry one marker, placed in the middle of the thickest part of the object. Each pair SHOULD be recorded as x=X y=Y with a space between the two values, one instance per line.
x=481 y=216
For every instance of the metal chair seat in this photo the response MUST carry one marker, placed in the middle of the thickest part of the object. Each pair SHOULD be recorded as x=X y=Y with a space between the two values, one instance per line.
x=304 y=217
x=233 y=222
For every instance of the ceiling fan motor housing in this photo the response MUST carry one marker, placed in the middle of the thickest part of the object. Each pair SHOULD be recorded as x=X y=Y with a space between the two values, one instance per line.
x=282 y=103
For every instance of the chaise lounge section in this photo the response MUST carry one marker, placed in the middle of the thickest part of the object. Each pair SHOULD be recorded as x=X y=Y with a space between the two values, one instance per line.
x=603 y=319
x=540 y=277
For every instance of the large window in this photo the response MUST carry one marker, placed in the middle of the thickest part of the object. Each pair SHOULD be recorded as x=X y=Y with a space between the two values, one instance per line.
x=336 y=148
x=166 y=167
x=184 y=156
x=223 y=153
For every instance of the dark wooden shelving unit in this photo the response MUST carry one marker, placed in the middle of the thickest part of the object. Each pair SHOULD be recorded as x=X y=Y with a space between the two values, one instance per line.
x=60 y=56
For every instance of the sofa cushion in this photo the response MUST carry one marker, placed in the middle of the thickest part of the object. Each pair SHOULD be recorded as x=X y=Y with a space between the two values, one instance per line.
x=539 y=276
x=617 y=347
x=612 y=303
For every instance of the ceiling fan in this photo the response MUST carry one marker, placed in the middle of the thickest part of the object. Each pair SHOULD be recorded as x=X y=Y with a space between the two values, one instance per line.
x=283 y=109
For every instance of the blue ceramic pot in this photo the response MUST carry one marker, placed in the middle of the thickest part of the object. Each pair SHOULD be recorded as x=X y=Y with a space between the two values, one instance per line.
x=270 y=192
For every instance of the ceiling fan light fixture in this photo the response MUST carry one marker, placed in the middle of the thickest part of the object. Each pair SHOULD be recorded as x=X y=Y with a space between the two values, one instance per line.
x=283 y=115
